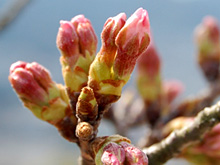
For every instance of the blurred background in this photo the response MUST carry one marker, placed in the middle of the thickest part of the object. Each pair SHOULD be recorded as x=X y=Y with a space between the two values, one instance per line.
x=31 y=36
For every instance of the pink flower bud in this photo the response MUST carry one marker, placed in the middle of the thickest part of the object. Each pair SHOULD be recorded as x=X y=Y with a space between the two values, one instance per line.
x=77 y=37
x=111 y=28
x=87 y=37
x=133 y=155
x=26 y=86
x=77 y=42
x=149 y=74
x=113 y=154
x=149 y=63
x=132 y=40
x=137 y=26
x=211 y=28
x=122 y=43
x=33 y=84
x=172 y=89
x=108 y=151
x=67 y=39
x=18 y=64
x=207 y=39
x=41 y=75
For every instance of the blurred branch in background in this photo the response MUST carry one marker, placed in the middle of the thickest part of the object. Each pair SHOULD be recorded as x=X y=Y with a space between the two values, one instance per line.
x=172 y=145
x=10 y=10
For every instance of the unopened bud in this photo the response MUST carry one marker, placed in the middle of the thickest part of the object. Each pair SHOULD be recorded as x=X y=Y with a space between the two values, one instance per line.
x=110 y=30
x=87 y=108
x=84 y=130
x=132 y=40
x=149 y=74
x=77 y=43
x=18 y=64
x=122 y=43
x=112 y=145
x=34 y=86
x=134 y=155
x=208 y=42
x=113 y=154
x=67 y=39
x=87 y=37
x=172 y=89
x=27 y=88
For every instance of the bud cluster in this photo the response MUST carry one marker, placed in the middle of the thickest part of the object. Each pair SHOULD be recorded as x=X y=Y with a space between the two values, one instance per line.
x=91 y=83
x=122 y=43
x=116 y=149
x=47 y=100
x=77 y=43
x=33 y=84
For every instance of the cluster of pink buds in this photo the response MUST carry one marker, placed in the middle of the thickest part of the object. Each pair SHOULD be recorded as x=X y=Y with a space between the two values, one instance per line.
x=123 y=41
x=77 y=43
x=47 y=100
x=117 y=150
x=33 y=84
x=92 y=82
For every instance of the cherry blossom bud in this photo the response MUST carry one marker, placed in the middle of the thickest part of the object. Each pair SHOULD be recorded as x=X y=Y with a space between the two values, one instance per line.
x=18 y=64
x=87 y=37
x=27 y=87
x=208 y=42
x=149 y=82
x=77 y=43
x=108 y=149
x=134 y=155
x=67 y=39
x=113 y=154
x=111 y=28
x=172 y=89
x=122 y=43
x=34 y=86
x=132 y=40
x=149 y=74
x=86 y=108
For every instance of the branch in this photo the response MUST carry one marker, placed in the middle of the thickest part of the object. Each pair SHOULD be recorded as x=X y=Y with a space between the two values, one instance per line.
x=177 y=140
x=10 y=11
x=188 y=107
x=204 y=99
